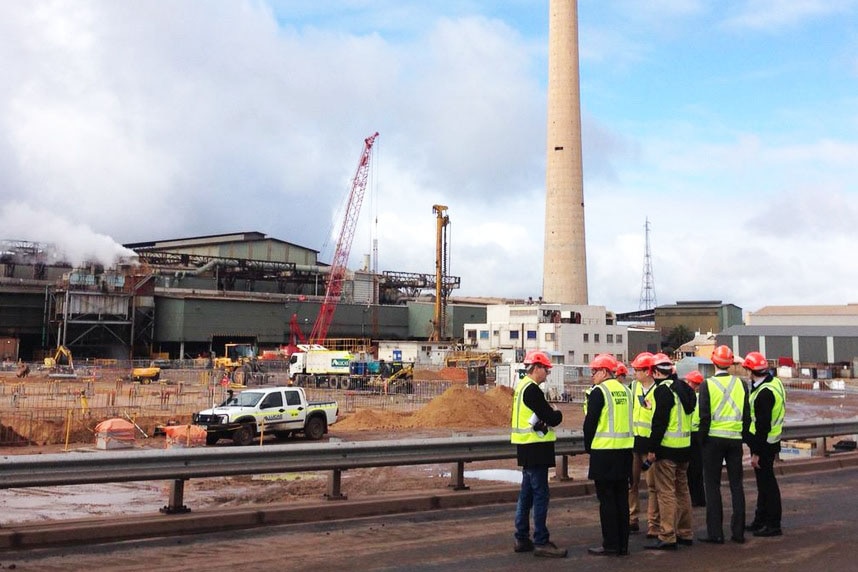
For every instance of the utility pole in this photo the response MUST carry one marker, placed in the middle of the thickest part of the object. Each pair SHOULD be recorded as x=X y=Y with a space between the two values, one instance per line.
x=648 y=300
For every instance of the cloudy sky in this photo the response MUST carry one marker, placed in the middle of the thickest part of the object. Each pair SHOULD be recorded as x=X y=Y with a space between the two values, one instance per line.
x=732 y=125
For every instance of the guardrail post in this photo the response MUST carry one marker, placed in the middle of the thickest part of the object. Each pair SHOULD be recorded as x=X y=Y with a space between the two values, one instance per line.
x=335 y=481
x=561 y=473
x=457 y=477
x=177 y=498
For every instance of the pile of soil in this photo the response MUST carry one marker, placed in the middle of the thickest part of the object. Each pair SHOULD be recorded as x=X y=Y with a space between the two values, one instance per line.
x=453 y=374
x=370 y=419
x=458 y=407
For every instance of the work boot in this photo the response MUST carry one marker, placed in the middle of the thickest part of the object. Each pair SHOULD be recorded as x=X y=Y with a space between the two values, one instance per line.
x=634 y=527
x=549 y=550
x=525 y=545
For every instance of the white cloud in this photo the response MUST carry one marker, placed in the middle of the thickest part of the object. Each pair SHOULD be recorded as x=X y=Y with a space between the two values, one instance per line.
x=776 y=14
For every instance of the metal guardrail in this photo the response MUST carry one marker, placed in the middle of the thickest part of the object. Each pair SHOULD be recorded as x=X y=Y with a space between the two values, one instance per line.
x=179 y=465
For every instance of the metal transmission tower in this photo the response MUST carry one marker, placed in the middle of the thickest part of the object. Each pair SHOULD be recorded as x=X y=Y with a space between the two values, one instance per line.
x=648 y=300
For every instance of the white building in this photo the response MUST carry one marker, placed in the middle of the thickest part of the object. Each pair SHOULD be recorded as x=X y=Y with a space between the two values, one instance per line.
x=570 y=334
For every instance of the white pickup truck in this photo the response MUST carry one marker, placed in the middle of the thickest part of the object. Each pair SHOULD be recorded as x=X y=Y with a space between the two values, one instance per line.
x=278 y=410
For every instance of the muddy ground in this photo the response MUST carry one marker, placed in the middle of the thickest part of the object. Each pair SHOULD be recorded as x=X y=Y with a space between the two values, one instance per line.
x=458 y=411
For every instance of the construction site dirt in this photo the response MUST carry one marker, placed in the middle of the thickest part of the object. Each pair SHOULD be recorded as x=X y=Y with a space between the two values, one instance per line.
x=456 y=409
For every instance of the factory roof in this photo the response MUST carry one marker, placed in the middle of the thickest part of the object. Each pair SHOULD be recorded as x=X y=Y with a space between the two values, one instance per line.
x=828 y=310
x=209 y=239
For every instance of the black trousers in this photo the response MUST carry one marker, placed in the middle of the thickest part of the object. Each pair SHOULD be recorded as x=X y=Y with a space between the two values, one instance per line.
x=716 y=452
x=695 y=472
x=614 y=513
x=769 y=508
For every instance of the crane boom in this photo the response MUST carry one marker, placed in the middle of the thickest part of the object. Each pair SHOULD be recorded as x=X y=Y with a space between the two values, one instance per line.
x=344 y=245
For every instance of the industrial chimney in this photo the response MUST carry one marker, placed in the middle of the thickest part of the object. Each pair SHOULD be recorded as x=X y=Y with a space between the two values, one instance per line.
x=564 y=277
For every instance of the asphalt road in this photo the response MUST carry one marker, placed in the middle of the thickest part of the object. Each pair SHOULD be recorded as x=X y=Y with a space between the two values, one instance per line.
x=820 y=511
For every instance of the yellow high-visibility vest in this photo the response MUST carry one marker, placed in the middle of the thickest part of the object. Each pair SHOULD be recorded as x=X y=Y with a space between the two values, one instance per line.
x=776 y=386
x=678 y=434
x=726 y=400
x=642 y=414
x=522 y=431
x=614 y=430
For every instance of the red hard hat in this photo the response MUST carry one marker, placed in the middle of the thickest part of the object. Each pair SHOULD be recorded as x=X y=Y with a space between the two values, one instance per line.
x=755 y=361
x=537 y=357
x=642 y=361
x=621 y=369
x=694 y=377
x=661 y=359
x=722 y=356
x=604 y=361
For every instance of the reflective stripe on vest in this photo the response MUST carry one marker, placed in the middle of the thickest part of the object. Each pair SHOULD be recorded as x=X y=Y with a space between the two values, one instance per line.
x=614 y=430
x=522 y=431
x=678 y=434
x=586 y=397
x=725 y=405
x=776 y=386
x=642 y=415
x=695 y=416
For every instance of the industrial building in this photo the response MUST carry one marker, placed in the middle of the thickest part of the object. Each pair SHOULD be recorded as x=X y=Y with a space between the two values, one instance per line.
x=187 y=297
x=817 y=341
x=697 y=316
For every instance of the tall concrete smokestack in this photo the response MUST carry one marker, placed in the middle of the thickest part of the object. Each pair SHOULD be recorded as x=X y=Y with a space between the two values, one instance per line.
x=564 y=277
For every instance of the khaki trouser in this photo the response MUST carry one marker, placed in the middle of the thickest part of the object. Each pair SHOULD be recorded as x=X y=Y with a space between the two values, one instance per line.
x=652 y=514
x=674 y=500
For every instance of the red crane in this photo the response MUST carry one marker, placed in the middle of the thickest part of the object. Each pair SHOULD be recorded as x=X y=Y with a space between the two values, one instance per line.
x=344 y=246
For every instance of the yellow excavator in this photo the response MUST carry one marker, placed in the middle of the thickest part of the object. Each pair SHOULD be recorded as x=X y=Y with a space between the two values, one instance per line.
x=62 y=364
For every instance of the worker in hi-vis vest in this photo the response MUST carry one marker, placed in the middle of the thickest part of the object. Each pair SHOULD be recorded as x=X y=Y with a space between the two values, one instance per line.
x=724 y=419
x=532 y=421
x=608 y=439
x=669 y=451
x=768 y=406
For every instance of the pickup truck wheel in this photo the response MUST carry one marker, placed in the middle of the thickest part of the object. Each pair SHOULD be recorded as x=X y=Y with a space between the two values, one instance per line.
x=315 y=428
x=212 y=438
x=243 y=435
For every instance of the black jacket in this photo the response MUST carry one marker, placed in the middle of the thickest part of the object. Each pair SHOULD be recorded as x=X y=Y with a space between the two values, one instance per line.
x=605 y=465
x=541 y=453
x=764 y=403
x=664 y=404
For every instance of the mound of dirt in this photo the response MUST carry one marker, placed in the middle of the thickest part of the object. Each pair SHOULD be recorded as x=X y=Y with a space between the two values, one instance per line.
x=458 y=407
x=371 y=419
x=461 y=406
x=453 y=374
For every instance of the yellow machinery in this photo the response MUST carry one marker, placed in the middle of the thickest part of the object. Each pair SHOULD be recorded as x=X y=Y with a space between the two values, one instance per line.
x=240 y=365
x=146 y=374
x=401 y=379
x=439 y=322
x=236 y=355
x=62 y=364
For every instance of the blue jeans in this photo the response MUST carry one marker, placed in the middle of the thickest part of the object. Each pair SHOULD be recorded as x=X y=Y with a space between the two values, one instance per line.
x=533 y=494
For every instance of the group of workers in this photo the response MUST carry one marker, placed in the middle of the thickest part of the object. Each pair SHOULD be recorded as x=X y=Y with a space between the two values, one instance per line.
x=678 y=433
